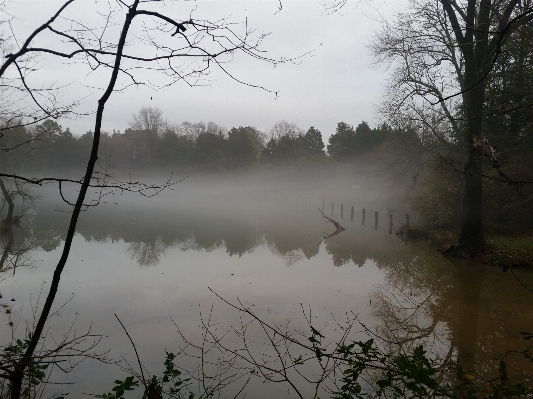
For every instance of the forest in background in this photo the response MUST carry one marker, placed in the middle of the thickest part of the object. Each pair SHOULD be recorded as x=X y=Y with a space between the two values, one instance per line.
x=152 y=144
x=406 y=158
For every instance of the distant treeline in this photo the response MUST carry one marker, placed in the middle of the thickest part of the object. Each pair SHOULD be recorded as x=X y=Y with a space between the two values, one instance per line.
x=151 y=143
x=425 y=168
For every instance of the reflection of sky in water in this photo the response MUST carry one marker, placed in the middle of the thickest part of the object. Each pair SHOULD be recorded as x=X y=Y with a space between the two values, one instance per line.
x=106 y=281
x=148 y=267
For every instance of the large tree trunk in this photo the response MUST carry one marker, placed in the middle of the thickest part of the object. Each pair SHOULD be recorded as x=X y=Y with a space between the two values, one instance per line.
x=472 y=239
x=473 y=42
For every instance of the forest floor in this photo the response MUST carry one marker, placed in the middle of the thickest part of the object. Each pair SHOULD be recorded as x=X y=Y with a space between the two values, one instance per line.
x=502 y=250
x=509 y=251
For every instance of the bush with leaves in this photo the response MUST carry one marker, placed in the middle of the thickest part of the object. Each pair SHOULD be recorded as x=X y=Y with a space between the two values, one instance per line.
x=314 y=367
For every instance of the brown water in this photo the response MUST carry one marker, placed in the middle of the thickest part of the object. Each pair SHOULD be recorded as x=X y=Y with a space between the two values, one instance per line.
x=155 y=262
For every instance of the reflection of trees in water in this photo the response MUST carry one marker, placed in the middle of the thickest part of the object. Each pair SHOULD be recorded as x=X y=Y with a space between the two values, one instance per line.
x=291 y=235
x=358 y=246
x=186 y=230
x=342 y=253
x=7 y=240
x=462 y=311
x=13 y=251
x=16 y=244
x=290 y=241
x=147 y=253
x=411 y=302
x=241 y=238
x=291 y=257
x=469 y=313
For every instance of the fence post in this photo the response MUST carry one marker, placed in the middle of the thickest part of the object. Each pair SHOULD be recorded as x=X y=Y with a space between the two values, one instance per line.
x=363 y=217
x=352 y=214
x=376 y=220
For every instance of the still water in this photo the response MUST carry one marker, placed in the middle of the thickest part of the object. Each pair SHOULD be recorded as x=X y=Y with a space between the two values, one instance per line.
x=157 y=263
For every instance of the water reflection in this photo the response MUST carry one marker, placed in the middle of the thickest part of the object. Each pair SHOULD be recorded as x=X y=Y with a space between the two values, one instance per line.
x=15 y=250
x=147 y=253
x=463 y=311
x=16 y=244
x=291 y=232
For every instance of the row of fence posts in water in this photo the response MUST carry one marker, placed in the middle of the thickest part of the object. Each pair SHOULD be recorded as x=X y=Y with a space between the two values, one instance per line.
x=363 y=214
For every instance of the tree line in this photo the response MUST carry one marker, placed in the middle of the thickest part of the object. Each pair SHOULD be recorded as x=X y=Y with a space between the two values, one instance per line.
x=152 y=144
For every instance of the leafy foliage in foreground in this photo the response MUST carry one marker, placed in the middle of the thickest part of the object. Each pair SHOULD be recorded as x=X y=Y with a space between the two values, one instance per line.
x=35 y=373
x=362 y=371
x=416 y=375
x=346 y=370
x=171 y=383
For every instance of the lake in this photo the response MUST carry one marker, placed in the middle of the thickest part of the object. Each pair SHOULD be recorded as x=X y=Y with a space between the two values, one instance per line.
x=164 y=263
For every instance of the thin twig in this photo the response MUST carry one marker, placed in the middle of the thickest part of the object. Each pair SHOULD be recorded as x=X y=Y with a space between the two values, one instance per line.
x=135 y=349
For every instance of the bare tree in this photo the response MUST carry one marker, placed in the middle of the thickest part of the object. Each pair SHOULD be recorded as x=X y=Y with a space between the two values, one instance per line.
x=176 y=49
x=426 y=69
x=148 y=118
x=284 y=128
x=442 y=53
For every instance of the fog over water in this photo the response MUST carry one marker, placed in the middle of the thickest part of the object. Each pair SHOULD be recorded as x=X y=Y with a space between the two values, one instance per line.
x=262 y=240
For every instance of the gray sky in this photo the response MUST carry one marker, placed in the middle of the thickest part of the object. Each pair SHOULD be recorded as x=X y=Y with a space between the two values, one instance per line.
x=336 y=82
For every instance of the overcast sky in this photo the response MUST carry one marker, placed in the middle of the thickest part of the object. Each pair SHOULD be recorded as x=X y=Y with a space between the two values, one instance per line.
x=336 y=82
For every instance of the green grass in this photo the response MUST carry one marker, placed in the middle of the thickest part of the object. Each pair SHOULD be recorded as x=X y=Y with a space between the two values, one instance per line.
x=512 y=242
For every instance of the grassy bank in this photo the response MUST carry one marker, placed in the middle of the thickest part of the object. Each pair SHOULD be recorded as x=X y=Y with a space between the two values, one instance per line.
x=514 y=250
x=509 y=251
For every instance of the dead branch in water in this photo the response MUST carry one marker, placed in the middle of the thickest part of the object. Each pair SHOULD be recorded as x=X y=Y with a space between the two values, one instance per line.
x=338 y=228
x=336 y=224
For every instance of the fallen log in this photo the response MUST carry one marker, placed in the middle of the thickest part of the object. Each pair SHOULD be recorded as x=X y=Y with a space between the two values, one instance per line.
x=338 y=228
x=336 y=224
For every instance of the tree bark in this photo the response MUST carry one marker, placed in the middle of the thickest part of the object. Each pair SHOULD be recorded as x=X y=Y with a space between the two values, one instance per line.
x=472 y=238
x=480 y=28
x=20 y=366
x=9 y=200
x=473 y=43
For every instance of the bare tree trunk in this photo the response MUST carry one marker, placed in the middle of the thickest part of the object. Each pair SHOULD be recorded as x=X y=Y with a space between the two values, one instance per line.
x=473 y=42
x=6 y=223
x=9 y=200
x=19 y=367
x=476 y=55
x=472 y=238
x=7 y=248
